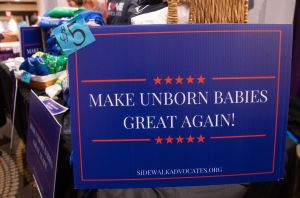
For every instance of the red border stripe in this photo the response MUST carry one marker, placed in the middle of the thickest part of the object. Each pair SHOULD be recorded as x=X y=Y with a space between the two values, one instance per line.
x=121 y=140
x=32 y=44
x=238 y=136
x=278 y=91
x=175 y=178
x=182 y=32
x=78 y=112
x=244 y=78
x=115 y=80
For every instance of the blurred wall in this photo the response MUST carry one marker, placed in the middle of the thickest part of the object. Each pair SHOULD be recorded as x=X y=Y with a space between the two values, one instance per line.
x=45 y=5
x=272 y=11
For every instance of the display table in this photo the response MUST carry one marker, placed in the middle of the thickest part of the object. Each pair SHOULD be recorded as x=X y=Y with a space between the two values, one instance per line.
x=64 y=181
x=15 y=46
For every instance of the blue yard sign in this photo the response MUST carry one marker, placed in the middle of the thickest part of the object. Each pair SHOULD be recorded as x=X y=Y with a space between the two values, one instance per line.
x=31 y=41
x=180 y=105
x=42 y=146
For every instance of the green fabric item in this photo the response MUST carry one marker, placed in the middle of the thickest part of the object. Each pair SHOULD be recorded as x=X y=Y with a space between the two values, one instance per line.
x=59 y=12
x=55 y=63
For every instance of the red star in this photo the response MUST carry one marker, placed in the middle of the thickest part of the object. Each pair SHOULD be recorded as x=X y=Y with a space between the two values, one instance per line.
x=158 y=140
x=179 y=80
x=201 y=79
x=168 y=80
x=190 y=139
x=190 y=80
x=179 y=139
x=169 y=140
x=200 y=139
x=157 y=80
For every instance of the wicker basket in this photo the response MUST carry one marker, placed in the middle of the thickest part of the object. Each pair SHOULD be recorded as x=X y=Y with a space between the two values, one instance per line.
x=211 y=11
x=40 y=82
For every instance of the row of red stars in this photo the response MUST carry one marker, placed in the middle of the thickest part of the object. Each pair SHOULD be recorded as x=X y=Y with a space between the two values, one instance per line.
x=179 y=80
x=180 y=140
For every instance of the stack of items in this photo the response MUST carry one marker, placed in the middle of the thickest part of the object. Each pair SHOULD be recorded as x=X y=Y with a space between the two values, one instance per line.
x=42 y=64
x=47 y=70
x=59 y=15
x=156 y=12
x=43 y=69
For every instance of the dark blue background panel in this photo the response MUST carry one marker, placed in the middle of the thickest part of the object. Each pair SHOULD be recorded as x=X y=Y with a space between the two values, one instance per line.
x=180 y=105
